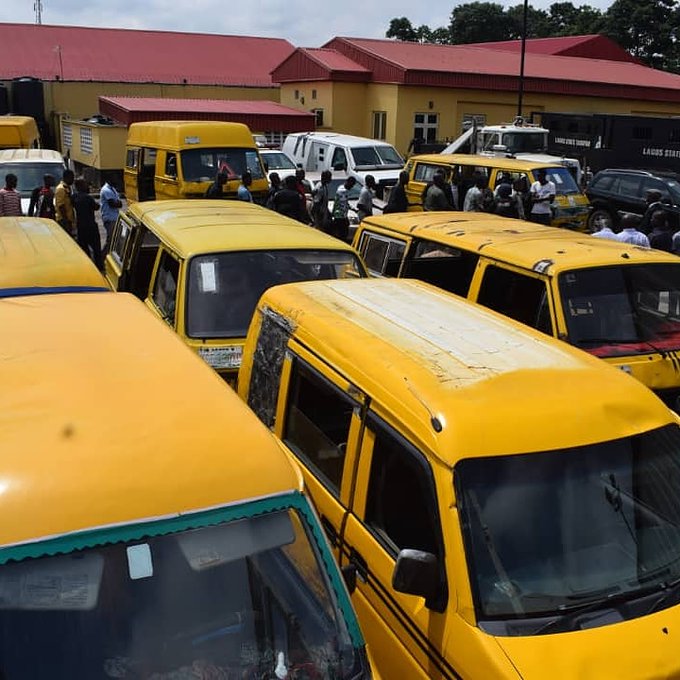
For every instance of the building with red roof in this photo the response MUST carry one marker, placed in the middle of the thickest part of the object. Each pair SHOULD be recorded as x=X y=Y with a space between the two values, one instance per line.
x=400 y=90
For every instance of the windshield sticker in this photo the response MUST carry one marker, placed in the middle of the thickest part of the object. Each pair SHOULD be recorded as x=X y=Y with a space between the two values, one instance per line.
x=208 y=278
x=222 y=357
x=581 y=308
x=140 y=564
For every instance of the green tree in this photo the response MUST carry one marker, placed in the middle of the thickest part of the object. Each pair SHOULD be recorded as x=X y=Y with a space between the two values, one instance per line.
x=538 y=22
x=479 y=22
x=648 y=29
x=402 y=29
x=566 y=19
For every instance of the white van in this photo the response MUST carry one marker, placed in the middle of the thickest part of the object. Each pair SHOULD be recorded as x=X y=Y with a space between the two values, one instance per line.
x=358 y=156
x=30 y=166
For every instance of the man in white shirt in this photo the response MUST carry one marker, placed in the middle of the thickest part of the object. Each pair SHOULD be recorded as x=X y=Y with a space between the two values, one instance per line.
x=542 y=195
x=629 y=234
x=606 y=233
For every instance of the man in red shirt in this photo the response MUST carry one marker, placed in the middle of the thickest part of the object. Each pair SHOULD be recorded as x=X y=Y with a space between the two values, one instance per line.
x=10 y=198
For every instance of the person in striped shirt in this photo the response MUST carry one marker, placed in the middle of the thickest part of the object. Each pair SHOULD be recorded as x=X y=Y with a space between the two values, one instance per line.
x=10 y=198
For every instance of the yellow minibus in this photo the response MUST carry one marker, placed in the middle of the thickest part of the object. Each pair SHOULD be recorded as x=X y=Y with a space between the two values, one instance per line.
x=616 y=301
x=37 y=256
x=181 y=159
x=510 y=505
x=202 y=265
x=19 y=132
x=569 y=209
x=153 y=527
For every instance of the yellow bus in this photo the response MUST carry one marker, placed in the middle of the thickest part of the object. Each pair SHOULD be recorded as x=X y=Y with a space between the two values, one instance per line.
x=509 y=504
x=19 y=132
x=37 y=256
x=202 y=265
x=181 y=159
x=569 y=210
x=154 y=528
x=616 y=301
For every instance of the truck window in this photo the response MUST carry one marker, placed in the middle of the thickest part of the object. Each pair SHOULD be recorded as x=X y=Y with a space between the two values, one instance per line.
x=318 y=418
x=339 y=160
x=523 y=298
x=401 y=505
x=382 y=255
x=443 y=266
x=141 y=267
x=165 y=287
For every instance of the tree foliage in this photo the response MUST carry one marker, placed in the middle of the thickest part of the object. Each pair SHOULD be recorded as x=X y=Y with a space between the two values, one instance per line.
x=648 y=29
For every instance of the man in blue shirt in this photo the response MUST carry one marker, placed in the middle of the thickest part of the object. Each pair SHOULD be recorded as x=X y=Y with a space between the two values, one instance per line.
x=243 y=190
x=110 y=207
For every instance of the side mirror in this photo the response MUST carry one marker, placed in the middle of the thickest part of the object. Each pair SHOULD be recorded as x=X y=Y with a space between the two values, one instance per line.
x=417 y=573
x=499 y=148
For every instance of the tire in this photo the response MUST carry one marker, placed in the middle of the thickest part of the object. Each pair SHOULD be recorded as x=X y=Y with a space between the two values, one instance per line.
x=600 y=217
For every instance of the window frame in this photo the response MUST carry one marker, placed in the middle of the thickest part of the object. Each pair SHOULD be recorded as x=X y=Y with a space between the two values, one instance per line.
x=162 y=253
x=364 y=242
x=379 y=120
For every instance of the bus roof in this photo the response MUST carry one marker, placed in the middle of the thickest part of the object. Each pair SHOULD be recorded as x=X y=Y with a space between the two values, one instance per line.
x=31 y=156
x=194 y=227
x=107 y=418
x=430 y=359
x=18 y=131
x=511 y=164
x=189 y=134
x=38 y=253
x=524 y=244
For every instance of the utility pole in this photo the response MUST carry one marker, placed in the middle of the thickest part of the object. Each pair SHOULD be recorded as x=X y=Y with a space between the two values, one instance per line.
x=37 y=6
x=521 y=63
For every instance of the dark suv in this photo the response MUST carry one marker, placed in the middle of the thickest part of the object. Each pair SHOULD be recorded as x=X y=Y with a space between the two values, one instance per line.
x=616 y=191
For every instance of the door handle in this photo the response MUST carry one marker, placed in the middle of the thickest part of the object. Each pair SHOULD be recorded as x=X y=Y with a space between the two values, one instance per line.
x=331 y=531
x=359 y=563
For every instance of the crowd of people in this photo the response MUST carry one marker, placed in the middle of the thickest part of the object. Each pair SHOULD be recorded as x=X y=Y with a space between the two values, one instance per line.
x=70 y=204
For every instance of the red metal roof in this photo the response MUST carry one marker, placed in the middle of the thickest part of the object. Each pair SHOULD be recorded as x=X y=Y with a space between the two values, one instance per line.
x=257 y=115
x=590 y=46
x=119 y=55
x=483 y=68
x=319 y=64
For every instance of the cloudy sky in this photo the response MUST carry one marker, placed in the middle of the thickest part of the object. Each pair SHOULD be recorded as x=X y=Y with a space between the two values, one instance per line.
x=304 y=24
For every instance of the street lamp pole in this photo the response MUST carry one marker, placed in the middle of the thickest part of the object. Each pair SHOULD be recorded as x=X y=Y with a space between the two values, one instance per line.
x=520 y=94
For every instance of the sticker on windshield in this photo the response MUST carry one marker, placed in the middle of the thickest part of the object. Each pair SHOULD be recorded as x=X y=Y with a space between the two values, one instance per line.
x=222 y=357
x=208 y=276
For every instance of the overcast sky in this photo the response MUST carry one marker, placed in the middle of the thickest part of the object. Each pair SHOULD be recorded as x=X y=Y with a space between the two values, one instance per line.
x=305 y=24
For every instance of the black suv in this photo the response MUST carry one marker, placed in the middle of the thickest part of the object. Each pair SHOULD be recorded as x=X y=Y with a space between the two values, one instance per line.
x=617 y=191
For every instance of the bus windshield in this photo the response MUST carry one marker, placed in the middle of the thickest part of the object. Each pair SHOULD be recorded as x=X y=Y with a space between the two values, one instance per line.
x=563 y=180
x=591 y=527
x=30 y=175
x=242 y=599
x=224 y=287
x=202 y=165
x=622 y=310
x=382 y=156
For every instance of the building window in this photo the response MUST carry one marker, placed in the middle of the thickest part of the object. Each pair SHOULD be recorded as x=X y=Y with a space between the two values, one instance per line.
x=275 y=138
x=67 y=135
x=86 y=140
x=319 y=117
x=313 y=94
x=297 y=94
x=642 y=133
x=379 y=124
x=425 y=126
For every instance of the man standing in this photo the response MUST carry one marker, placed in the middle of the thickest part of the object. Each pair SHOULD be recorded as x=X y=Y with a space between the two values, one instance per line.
x=88 y=231
x=243 y=192
x=629 y=234
x=320 y=197
x=111 y=204
x=216 y=189
x=365 y=201
x=340 y=225
x=606 y=232
x=473 y=197
x=10 y=198
x=542 y=194
x=435 y=195
x=42 y=199
x=397 y=201
x=63 y=203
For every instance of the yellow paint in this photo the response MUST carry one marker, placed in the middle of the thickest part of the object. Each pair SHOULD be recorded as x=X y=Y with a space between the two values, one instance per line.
x=37 y=253
x=571 y=211
x=187 y=229
x=18 y=132
x=96 y=146
x=179 y=137
x=408 y=354
x=519 y=246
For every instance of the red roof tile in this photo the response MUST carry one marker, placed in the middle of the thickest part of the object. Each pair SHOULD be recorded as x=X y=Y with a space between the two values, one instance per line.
x=478 y=66
x=333 y=60
x=119 y=55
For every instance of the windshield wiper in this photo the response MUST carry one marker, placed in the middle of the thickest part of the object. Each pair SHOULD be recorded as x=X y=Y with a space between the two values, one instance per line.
x=568 y=615
x=671 y=592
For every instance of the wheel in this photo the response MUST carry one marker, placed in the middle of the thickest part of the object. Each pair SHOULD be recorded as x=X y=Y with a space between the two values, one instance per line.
x=600 y=217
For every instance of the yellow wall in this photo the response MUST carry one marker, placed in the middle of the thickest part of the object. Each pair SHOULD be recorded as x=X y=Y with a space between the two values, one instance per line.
x=301 y=96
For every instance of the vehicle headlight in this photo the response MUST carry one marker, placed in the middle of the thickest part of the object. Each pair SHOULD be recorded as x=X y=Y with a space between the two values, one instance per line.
x=222 y=357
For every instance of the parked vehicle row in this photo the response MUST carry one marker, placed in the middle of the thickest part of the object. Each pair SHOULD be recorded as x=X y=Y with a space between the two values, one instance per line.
x=485 y=488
